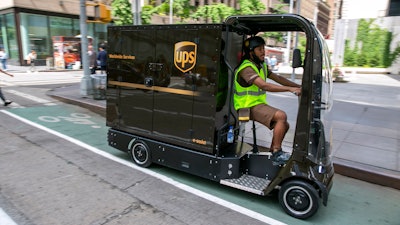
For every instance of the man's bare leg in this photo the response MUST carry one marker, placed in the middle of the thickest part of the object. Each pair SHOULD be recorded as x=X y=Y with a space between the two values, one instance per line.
x=281 y=127
x=279 y=131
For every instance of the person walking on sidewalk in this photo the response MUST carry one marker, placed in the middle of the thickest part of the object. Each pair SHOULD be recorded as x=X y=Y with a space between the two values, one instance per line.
x=92 y=60
x=3 y=59
x=31 y=61
x=6 y=102
x=102 y=57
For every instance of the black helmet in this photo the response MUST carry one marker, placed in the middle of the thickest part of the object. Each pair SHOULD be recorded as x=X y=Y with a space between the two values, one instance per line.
x=252 y=42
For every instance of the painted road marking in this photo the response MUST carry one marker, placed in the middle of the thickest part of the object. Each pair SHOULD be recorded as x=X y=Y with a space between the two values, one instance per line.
x=10 y=83
x=5 y=219
x=31 y=97
x=77 y=118
x=166 y=179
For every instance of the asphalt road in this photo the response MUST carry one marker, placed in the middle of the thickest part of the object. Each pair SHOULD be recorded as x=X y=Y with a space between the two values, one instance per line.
x=56 y=168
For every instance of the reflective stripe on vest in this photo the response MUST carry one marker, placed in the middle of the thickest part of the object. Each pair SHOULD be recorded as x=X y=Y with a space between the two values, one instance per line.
x=254 y=93
x=246 y=97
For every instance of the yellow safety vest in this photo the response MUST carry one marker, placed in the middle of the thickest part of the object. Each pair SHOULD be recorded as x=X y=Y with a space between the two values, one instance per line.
x=246 y=97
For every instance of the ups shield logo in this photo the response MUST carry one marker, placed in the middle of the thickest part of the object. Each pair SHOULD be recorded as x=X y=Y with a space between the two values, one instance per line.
x=185 y=55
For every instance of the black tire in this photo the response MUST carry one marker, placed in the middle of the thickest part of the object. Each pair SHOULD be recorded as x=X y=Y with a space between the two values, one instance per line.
x=299 y=199
x=141 y=154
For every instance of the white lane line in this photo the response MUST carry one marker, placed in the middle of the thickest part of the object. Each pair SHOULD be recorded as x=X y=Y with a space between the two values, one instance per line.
x=31 y=97
x=5 y=219
x=166 y=179
x=369 y=104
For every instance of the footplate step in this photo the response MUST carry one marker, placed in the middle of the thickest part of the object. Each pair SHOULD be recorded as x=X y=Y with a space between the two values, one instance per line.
x=248 y=183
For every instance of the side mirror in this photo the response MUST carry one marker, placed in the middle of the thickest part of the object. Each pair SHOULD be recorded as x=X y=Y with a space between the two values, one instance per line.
x=296 y=61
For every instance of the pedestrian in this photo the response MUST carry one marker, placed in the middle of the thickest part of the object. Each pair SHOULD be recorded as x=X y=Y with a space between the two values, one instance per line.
x=250 y=94
x=3 y=59
x=102 y=57
x=267 y=60
x=273 y=63
x=92 y=59
x=32 y=56
x=6 y=102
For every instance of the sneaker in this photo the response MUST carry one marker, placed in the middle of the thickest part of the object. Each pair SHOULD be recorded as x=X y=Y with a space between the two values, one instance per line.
x=279 y=157
x=6 y=103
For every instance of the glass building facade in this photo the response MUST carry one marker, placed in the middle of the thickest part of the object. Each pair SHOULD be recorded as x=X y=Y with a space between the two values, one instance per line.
x=26 y=30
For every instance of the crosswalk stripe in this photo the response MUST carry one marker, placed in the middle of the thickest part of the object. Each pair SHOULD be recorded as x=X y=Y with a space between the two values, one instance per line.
x=31 y=97
x=41 y=82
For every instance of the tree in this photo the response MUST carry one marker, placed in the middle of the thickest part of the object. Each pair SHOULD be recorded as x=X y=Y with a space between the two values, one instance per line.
x=147 y=12
x=371 y=47
x=181 y=8
x=278 y=36
x=251 y=7
x=122 y=10
x=216 y=12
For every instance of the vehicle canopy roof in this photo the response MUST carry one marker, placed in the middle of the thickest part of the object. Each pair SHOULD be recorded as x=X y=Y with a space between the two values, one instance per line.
x=253 y=24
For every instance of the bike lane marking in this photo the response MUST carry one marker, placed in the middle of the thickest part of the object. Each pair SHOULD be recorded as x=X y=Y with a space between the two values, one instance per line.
x=71 y=120
x=52 y=124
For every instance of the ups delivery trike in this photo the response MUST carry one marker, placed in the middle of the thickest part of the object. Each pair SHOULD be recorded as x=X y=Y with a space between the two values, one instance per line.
x=170 y=102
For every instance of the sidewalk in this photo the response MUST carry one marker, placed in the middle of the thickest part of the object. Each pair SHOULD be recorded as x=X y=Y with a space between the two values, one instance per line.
x=366 y=125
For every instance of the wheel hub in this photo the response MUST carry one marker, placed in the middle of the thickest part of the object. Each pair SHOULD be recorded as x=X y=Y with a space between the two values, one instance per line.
x=298 y=200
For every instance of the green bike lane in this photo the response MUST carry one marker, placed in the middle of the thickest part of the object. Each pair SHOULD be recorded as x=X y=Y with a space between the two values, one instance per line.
x=350 y=201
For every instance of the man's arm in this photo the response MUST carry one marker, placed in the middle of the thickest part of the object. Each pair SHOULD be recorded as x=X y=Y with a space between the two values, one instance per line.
x=282 y=80
x=276 y=88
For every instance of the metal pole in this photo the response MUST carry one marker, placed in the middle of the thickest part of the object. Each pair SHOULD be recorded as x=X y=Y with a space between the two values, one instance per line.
x=171 y=11
x=298 y=2
x=289 y=38
x=298 y=9
x=133 y=5
x=316 y=11
x=86 y=84
x=136 y=12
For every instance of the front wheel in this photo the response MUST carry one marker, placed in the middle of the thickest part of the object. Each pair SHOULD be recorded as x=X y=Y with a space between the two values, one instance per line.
x=141 y=154
x=299 y=199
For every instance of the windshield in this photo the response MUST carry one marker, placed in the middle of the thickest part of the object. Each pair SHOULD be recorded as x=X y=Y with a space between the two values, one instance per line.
x=327 y=83
x=327 y=100
x=321 y=129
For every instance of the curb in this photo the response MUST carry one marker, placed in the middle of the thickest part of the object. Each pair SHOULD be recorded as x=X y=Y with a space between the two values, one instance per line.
x=367 y=173
x=96 y=108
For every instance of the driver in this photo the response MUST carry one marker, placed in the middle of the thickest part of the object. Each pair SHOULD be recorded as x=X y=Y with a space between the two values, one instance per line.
x=250 y=92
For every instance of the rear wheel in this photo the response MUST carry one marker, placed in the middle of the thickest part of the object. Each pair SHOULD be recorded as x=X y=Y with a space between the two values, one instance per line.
x=299 y=199
x=141 y=154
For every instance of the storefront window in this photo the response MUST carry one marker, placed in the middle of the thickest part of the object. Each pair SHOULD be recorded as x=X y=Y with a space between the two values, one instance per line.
x=9 y=37
x=3 y=34
x=60 y=26
x=34 y=34
x=37 y=32
x=76 y=27
x=100 y=32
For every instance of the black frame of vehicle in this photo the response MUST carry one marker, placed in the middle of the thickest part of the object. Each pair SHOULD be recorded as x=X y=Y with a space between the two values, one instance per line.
x=164 y=106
